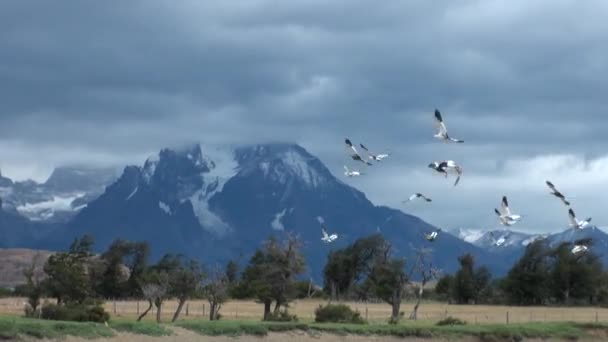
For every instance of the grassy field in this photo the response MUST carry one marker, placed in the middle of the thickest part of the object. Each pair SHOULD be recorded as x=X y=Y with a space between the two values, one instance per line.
x=12 y=327
x=379 y=313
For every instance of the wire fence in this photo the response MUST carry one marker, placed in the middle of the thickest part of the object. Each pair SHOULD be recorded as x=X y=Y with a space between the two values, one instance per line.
x=373 y=312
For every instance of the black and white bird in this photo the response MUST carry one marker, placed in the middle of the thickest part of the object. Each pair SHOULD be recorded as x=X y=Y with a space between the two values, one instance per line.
x=417 y=195
x=557 y=194
x=351 y=173
x=579 y=249
x=354 y=154
x=326 y=237
x=446 y=167
x=374 y=157
x=432 y=236
x=504 y=213
x=575 y=223
x=442 y=131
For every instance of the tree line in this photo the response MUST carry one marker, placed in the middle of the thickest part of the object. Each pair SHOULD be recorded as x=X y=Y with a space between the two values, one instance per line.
x=364 y=270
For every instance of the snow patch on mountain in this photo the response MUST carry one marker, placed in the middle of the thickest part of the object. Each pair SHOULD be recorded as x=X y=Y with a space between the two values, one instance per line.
x=132 y=193
x=299 y=165
x=45 y=210
x=277 y=223
x=150 y=167
x=164 y=207
x=222 y=166
x=468 y=235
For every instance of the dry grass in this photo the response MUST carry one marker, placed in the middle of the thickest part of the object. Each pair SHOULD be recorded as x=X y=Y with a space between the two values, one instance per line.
x=249 y=310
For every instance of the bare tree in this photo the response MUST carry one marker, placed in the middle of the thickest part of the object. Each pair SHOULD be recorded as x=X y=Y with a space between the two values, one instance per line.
x=216 y=292
x=425 y=270
x=155 y=289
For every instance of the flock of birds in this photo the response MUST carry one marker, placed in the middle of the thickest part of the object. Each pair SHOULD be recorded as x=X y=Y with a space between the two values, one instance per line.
x=446 y=168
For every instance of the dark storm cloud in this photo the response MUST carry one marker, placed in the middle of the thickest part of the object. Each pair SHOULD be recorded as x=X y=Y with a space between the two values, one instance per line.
x=112 y=81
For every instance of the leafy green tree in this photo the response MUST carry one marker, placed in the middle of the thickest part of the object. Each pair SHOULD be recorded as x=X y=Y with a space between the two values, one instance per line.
x=389 y=280
x=347 y=267
x=185 y=281
x=528 y=281
x=574 y=277
x=270 y=275
x=67 y=277
x=464 y=283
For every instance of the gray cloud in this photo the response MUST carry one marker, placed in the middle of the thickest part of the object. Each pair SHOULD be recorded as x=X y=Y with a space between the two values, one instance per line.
x=521 y=81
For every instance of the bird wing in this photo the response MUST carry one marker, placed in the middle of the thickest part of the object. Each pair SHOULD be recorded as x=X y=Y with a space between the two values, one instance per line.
x=413 y=197
x=424 y=197
x=498 y=213
x=350 y=145
x=572 y=217
x=363 y=147
x=346 y=169
x=551 y=186
x=505 y=206
x=325 y=235
x=456 y=140
x=439 y=123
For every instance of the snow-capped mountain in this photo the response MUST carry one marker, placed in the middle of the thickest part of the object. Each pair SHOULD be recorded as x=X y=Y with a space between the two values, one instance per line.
x=510 y=245
x=221 y=203
x=66 y=191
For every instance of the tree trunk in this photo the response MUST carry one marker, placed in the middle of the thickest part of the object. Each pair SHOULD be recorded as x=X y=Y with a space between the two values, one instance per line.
x=214 y=310
x=396 y=306
x=414 y=314
x=145 y=312
x=334 y=292
x=277 y=307
x=180 y=305
x=267 y=309
x=396 y=310
x=159 y=305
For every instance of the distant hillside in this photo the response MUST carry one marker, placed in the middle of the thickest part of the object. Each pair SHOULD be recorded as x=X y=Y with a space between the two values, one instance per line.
x=13 y=261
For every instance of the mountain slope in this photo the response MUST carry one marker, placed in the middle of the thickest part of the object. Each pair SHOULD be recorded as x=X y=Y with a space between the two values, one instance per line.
x=218 y=204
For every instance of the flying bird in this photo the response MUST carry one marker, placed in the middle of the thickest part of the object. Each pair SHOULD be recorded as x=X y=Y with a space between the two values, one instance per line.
x=351 y=173
x=328 y=238
x=574 y=223
x=325 y=237
x=374 y=157
x=417 y=195
x=557 y=194
x=579 y=249
x=442 y=133
x=432 y=236
x=447 y=166
x=354 y=154
x=504 y=214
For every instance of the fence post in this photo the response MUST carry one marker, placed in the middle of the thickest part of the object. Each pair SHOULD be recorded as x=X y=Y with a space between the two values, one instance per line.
x=203 y=309
x=596 y=317
x=187 y=309
x=366 y=313
x=114 y=304
x=507 y=317
x=138 y=307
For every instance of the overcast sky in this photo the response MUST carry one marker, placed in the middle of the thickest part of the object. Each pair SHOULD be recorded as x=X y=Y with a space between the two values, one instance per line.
x=523 y=82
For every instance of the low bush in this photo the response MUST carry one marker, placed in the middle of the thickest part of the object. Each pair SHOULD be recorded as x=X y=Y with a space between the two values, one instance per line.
x=281 y=316
x=75 y=313
x=337 y=313
x=451 y=321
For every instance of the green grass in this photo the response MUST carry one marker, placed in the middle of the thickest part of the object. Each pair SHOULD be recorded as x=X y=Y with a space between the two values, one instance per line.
x=565 y=331
x=13 y=327
x=140 y=328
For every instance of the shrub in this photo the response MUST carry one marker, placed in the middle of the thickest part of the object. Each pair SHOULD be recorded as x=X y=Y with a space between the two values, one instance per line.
x=4 y=292
x=281 y=316
x=337 y=313
x=451 y=321
x=75 y=313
